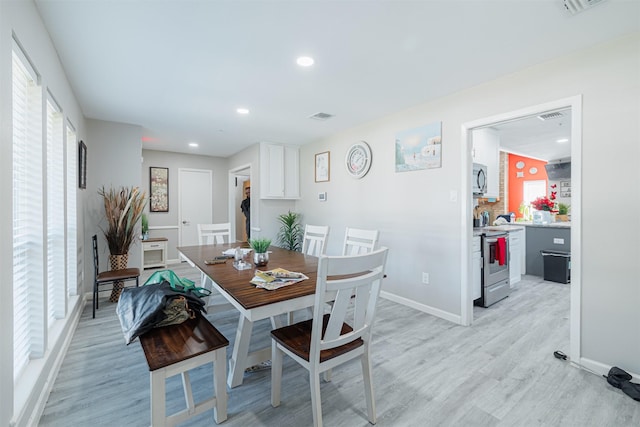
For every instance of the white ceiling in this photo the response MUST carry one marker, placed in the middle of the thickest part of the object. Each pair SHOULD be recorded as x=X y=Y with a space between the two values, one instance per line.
x=180 y=69
x=538 y=138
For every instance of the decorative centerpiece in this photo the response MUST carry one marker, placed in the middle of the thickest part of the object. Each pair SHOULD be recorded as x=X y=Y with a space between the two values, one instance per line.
x=123 y=209
x=260 y=254
x=545 y=207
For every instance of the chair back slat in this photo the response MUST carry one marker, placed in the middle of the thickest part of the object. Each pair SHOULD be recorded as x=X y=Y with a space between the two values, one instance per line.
x=315 y=239
x=214 y=234
x=358 y=241
x=96 y=267
x=355 y=298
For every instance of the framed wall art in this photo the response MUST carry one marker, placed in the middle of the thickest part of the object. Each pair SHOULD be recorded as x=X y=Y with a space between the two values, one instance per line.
x=82 y=165
x=322 y=167
x=419 y=148
x=158 y=189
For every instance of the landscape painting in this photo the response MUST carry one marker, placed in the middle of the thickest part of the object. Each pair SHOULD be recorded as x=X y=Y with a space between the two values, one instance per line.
x=419 y=148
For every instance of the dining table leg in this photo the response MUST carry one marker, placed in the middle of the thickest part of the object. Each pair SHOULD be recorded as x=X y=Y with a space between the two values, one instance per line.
x=239 y=358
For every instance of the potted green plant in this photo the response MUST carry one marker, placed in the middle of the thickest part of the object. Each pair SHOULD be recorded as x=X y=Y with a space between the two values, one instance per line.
x=563 y=212
x=144 y=222
x=260 y=248
x=123 y=208
x=290 y=234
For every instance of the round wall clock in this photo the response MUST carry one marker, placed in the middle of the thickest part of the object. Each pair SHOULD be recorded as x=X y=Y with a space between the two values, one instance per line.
x=358 y=159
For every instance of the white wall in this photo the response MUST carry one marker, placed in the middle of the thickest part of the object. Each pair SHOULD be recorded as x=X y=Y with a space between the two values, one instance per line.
x=175 y=161
x=422 y=227
x=22 y=19
x=114 y=154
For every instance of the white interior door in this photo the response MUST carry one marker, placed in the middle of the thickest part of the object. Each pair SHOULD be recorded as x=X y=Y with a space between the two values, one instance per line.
x=196 y=203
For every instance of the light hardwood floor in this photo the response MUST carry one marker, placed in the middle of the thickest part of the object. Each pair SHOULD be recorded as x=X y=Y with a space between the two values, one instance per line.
x=427 y=372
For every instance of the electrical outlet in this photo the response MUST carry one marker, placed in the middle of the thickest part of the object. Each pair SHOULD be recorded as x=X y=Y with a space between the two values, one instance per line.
x=425 y=278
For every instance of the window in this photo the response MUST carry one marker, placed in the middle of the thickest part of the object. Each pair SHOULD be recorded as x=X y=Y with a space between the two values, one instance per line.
x=531 y=190
x=28 y=246
x=56 y=289
x=72 y=219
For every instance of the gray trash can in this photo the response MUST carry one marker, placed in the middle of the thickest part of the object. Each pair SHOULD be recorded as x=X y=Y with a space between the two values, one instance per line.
x=557 y=266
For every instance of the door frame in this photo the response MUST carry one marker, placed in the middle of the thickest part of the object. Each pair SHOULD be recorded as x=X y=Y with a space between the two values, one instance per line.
x=234 y=202
x=466 y=304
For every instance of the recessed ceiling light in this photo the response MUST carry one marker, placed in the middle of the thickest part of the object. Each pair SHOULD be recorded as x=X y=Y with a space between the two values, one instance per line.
x=305 y=61
x=193 y=144
x=242 y=110
x=561 y=140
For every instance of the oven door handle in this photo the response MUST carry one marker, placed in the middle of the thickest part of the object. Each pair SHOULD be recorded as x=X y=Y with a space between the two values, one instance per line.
x=494 y=240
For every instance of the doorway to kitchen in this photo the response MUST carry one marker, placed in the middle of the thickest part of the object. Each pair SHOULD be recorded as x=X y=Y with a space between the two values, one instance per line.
x=574 y=105
x=239 y=180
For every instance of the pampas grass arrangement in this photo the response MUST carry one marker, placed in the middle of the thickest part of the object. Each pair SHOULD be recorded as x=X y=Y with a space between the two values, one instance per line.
x=123 y=208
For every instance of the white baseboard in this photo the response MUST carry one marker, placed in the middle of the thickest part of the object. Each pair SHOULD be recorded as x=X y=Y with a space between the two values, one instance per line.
x=600 y=368
x=455 y=318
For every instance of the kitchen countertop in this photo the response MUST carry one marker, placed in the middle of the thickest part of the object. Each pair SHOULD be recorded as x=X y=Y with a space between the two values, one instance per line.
x=559 y=224
x=516 y=226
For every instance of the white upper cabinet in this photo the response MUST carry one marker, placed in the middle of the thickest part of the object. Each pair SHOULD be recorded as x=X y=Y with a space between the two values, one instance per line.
x=486 y=150
x=279 y=171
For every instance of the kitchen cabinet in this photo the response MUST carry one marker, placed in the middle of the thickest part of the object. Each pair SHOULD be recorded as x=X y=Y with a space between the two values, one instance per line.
x=486 y=150
x=476 y=276
x=545 y=237
x=279 y=171
x=515 y=256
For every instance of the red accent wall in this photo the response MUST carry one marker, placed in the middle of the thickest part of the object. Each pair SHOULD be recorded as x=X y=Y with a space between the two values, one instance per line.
x=515 y=182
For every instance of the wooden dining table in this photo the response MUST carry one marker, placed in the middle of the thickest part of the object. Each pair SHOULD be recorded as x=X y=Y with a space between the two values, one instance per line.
x=252 y=302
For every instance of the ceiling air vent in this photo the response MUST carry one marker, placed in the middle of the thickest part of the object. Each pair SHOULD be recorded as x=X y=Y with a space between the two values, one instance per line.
x=550 y=116
x=321 y=116
x=577 y=6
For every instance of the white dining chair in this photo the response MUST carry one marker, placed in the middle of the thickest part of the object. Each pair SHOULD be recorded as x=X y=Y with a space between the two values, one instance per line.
x=314 y=241
x=213 y=234
x=329 y=340
x=359 y=241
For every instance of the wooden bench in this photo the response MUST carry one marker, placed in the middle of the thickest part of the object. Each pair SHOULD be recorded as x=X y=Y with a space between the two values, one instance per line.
x=175 y=349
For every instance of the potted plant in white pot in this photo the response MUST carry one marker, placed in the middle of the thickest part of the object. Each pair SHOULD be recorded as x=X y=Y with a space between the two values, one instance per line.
x=260 y=248
x=123 y=209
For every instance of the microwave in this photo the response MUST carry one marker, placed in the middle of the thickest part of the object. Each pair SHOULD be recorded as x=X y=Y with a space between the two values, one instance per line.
x=479 y=179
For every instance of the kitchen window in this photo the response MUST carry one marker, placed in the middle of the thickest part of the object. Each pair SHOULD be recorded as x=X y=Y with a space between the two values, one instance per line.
x=531 y=190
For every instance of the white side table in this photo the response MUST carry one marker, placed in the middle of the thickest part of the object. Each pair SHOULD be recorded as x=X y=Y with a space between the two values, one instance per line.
x=154 y=252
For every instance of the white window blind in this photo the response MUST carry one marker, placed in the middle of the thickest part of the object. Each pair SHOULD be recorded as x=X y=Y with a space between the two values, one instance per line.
x=28 y=235
x=72 y=220
x=56 y=268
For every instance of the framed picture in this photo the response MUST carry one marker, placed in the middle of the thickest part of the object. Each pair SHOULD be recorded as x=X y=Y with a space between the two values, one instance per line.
x=158 y=189
x=322 y=167
x=82 y=165
x=419 y=148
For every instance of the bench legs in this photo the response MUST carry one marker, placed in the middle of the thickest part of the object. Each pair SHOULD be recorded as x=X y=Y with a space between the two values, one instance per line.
x=218 y=402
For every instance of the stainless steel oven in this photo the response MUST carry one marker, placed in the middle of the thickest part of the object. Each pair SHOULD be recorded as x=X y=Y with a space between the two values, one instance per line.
x=495 y=268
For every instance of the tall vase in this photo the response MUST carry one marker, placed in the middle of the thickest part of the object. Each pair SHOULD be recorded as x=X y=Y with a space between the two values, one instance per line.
x=117 y=262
